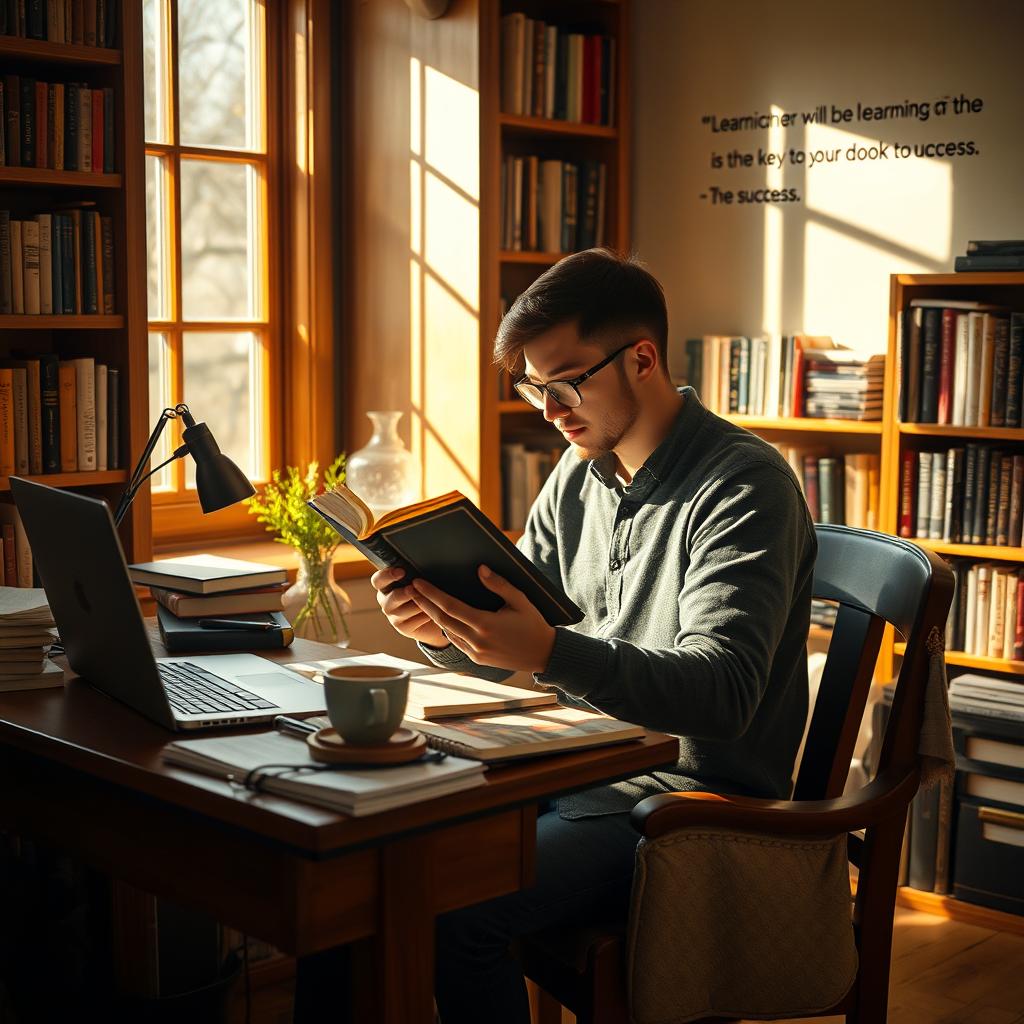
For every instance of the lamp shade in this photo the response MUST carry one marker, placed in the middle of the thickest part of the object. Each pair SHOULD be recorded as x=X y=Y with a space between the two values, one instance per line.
x=219 y=482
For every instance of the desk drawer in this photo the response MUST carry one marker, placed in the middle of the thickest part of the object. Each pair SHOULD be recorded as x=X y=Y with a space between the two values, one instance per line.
x=989 y=864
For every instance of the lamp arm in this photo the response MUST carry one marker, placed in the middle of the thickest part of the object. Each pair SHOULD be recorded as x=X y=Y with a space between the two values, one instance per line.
x=128 y=498
x=136 y=478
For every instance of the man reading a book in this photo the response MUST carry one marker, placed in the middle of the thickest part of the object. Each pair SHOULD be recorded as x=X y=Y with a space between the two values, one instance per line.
x=687 y=543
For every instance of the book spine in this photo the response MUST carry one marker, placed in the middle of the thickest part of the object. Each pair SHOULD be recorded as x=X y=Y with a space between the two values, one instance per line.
x=100 y=390
x=812 y=487
x=1018 y=632
x=69 y=273
x=68 y=419
x=98 y=133
x=988 y=340
x=924 y=490
x=992 y=505
x=1014 y=363
x=28 y=122
x=1003 y=501
x=981 y=494
x=30 y=264
x=49 y=389
x=57 y=263
x=42 y=129
x=84 y=128
x=7 y=466
x=19 y=402
x=930 y=347
x=970 y=483
x=113 y=418
x=85 y=404
x=12 y=122
x=950 y=515
x=937 y=496
x=108 y=132
x=51 y=126
x=5 y=261
x=947 y=357
x=45 y=228
x=71 y=107
x=1016 y=501
x=10 y=556
x=1000 y=361
x=90 y=302
x=35 y=418
x=58 y=126
x=17 y=269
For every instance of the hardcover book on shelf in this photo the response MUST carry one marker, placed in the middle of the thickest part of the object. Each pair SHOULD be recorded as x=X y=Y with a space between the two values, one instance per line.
x=206 y=574
x=444 y=540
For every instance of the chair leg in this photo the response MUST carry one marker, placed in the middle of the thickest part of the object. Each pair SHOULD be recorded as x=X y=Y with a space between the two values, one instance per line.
x=544 y=1008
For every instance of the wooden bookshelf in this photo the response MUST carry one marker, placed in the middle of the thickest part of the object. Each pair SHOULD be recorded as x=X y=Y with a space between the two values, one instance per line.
x=507 y=273
x=806 y=425
x=118 y=340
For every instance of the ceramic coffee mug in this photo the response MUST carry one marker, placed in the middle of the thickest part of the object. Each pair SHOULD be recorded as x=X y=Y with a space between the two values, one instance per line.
x=365 y=703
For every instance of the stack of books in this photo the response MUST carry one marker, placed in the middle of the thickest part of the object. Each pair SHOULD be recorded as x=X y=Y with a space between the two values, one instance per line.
x=26 y=633
x=974 y=694
x=842 y=384
x=1005 y=254
x=193 y=589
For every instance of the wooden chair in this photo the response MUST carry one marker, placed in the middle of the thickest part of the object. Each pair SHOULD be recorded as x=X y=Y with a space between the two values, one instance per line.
x=875 y=578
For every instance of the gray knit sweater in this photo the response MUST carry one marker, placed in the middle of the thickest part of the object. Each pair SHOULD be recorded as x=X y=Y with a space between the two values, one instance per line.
x=695 y=583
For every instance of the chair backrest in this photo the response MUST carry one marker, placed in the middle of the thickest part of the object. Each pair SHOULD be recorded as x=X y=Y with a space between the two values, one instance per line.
x=876 y=579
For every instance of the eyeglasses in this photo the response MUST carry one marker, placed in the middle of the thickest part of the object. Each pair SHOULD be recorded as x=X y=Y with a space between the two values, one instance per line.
x=564 y=392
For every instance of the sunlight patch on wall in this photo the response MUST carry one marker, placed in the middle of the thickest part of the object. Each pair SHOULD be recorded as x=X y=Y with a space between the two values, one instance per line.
x=415 y=113
x=453 y=131
x=451 y=407
x=905 y=201
x=451 y=243
x=846 y=281
x=774 y=252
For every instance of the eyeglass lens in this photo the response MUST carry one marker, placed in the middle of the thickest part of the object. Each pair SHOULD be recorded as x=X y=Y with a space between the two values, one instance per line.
x=563 y=394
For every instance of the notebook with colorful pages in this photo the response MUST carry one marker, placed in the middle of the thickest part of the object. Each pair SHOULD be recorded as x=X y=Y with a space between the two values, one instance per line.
x=434 y=694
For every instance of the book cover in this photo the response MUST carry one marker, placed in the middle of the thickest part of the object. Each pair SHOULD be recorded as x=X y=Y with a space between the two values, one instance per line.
x=1000 y=361
x=1015 y=360
x=113 y=418
x=68 y=418
x=19 y=395
x=100 y=391
x=30 y=265
x=5 y=261
x=33 y=398
x=185 y=635
x=12 y=121
x=444 y=540
x=969 y=490
x=85 y=411
x=205 y=574
x=6 y=421
x=45 y=228
x=49 y=391
x=236 y=602
x=17 y=269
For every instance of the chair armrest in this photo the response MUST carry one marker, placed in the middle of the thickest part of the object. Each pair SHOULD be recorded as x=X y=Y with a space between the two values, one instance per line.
x=880 y=799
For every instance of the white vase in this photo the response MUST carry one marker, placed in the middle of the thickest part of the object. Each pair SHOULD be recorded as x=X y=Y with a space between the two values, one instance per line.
x=316 y=606
x=384 y=473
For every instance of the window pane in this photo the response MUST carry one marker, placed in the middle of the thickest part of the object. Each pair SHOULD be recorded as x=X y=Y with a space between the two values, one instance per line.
x=159 y=399
x=155 y=69
x=157 y=249
x=220 y=57
x=223 y=389
x=219 y=260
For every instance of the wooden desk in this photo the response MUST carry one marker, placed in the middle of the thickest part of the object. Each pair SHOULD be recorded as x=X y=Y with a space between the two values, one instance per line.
x=85 y=773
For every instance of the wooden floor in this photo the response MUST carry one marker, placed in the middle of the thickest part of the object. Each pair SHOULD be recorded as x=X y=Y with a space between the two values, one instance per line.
x=943 y=972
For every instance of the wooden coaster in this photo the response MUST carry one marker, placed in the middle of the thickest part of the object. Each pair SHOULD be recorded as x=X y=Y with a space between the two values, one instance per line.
x=327 y=746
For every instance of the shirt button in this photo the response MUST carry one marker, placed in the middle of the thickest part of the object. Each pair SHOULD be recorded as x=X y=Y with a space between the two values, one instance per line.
x=615 y=565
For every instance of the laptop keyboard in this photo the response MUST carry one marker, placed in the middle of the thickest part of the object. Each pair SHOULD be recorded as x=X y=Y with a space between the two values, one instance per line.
x=192 y=690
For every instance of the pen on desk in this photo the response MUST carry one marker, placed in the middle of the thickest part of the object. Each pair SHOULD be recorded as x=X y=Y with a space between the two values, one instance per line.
x=257 y=627
x=294 y=726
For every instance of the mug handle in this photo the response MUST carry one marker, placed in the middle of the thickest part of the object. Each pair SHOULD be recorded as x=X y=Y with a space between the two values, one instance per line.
x=378 y=706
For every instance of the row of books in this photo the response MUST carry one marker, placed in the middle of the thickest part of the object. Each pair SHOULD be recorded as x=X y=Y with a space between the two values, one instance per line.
x=65 y=126
x=57 y=263
x=998 y=254
x=552 y=205
x=976 y=694
x=59 y=415
x=960 y=364
x=794 y=375
x=548 y=71
x=523 y=471
x=840 y=489
x=84 y=22
x=966 y=495
x=986 y=618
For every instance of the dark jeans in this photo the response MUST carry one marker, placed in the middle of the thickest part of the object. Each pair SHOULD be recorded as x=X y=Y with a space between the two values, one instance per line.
x=584 y=871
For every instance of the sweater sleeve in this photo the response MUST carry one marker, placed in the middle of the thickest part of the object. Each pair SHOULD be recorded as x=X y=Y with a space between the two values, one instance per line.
x=750 y=550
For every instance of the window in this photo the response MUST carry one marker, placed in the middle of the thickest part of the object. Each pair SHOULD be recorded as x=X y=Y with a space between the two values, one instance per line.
x=212 y=328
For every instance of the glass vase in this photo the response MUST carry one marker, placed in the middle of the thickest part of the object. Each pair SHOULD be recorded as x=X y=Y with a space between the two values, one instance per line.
x=316 y=606
x=384 y=473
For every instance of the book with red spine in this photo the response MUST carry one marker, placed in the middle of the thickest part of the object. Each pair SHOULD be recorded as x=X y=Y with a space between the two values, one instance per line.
x=947 y=357
x=908 y=467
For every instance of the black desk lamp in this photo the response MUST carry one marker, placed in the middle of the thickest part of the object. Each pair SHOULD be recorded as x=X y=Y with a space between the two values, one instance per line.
x=219 y=482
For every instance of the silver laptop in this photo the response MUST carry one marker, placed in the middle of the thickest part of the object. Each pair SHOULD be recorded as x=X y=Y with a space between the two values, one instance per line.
x=83 y=570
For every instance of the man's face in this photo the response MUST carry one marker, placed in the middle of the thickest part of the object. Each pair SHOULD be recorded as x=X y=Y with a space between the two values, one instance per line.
x=609 y=407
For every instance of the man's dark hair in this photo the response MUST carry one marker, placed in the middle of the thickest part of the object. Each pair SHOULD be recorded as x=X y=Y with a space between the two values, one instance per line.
x=611 y=298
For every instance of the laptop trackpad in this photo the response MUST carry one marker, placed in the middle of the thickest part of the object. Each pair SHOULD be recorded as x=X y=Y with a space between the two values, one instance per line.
x=271 y=683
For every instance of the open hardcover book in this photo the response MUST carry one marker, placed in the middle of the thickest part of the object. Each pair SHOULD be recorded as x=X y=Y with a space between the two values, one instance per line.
x=444 y=540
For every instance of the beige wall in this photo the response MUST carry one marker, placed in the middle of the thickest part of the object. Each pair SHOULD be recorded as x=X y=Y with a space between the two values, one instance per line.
x=820 y=265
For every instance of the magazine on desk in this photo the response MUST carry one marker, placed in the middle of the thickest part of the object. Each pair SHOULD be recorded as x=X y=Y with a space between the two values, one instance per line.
x=354 y=791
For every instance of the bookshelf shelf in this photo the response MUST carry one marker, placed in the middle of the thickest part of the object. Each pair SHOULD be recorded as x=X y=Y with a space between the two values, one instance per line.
x=544 y=259
x=95 y=478
x=43 y=177
x=547 y=126
x=959 y=910
x=992 y=277
x=983 y=552
x=58 y=53
x=806 y=424
x=38 y=322
x=985 y=433
x=974 y=661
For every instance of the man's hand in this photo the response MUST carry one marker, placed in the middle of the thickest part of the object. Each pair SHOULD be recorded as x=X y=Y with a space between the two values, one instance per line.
x=402 y=611
x=515 y=637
